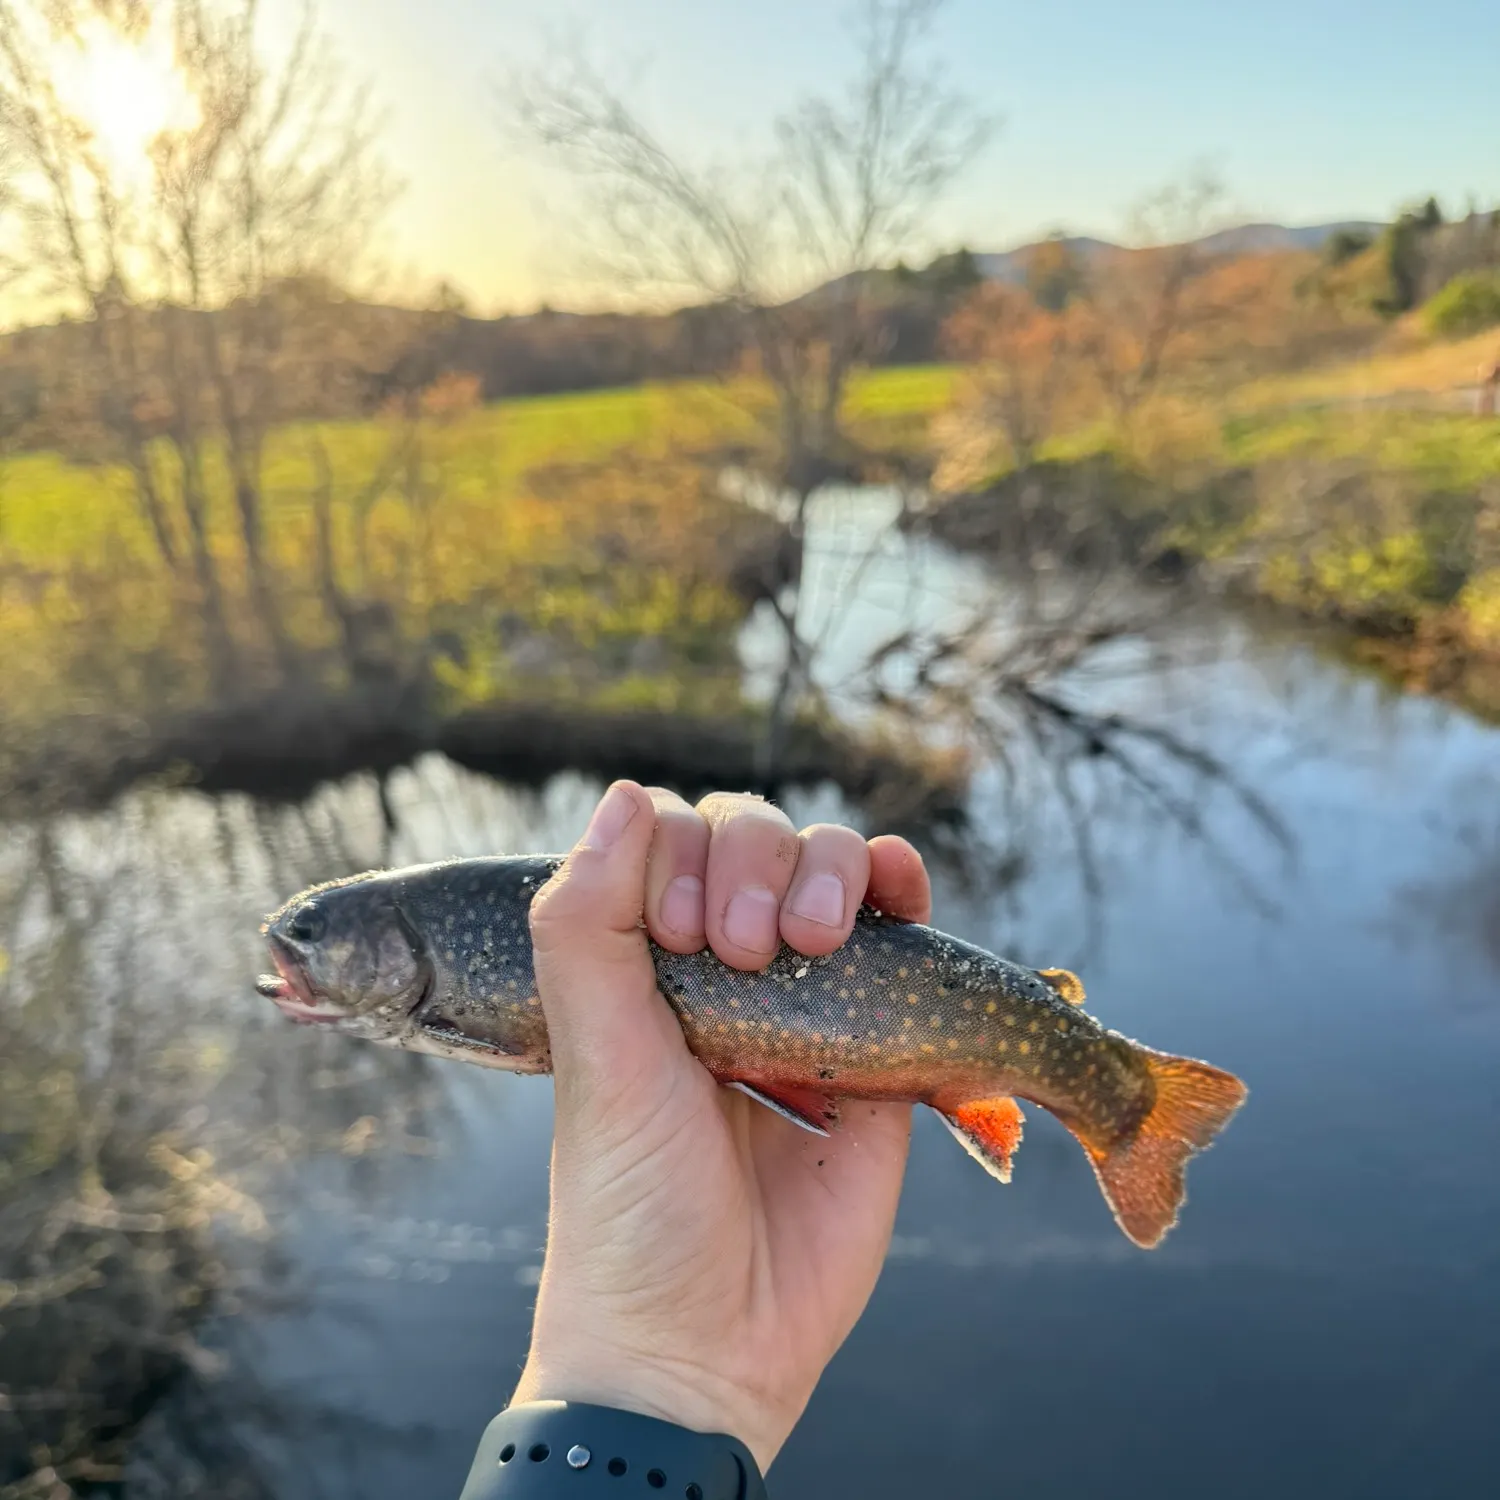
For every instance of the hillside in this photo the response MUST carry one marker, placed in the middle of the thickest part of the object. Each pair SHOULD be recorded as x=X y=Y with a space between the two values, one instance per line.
x=1239 y=239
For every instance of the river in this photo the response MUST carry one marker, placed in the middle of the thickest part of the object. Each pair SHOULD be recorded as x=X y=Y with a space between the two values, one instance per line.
x=1322 y=1323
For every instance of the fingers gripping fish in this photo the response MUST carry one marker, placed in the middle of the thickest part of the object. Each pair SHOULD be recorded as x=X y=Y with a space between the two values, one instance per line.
x=438 y=959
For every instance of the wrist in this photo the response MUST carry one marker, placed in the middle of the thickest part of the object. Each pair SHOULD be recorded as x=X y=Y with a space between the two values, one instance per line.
x=693 y=1398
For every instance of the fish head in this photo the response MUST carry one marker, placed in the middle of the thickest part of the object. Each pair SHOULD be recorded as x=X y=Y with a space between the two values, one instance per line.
x=346 y=957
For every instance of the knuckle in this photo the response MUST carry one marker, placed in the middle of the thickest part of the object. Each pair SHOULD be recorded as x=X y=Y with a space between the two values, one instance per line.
x=557 y=904
x=543 y=912
x=680 y=821
x=736 y=804
x=832 y=836
x=668 y=803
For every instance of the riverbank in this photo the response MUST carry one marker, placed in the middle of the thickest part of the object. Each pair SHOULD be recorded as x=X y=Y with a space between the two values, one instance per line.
x=1383 y=524
x=281 y=744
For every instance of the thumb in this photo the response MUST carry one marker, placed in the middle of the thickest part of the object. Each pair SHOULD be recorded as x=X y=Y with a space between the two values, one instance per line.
x=607 y=1025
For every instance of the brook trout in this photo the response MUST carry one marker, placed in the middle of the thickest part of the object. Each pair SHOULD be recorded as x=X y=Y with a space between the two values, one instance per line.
x=438 y=959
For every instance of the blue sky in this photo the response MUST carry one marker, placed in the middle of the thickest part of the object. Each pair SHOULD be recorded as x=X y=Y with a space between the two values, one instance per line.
x=1317 y=110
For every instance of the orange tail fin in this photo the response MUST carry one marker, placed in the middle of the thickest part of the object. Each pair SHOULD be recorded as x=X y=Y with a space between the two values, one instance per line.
x=1142 y=1175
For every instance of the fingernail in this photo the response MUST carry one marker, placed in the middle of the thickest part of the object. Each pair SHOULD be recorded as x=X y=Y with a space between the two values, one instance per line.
x=611 y=818
x=820 y=898
x=682 y=905
x=751 y=919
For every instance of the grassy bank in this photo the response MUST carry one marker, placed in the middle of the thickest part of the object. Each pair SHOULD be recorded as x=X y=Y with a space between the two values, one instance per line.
x=563 y=556
x=1380 y=515
x=571 y=555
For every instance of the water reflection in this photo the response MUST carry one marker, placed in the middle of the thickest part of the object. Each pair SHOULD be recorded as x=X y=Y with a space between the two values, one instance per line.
x=153 y=1113
x=1459 y=903
x=241 y=1258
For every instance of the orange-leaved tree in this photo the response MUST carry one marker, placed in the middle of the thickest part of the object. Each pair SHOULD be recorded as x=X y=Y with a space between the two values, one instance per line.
x=1026 y=378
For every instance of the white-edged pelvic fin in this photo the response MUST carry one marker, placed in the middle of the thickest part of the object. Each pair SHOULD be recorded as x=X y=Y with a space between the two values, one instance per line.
x=784 y=1110
x=989 y=1130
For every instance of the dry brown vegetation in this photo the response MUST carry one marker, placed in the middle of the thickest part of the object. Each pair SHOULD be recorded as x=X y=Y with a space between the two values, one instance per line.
x=1174 y=406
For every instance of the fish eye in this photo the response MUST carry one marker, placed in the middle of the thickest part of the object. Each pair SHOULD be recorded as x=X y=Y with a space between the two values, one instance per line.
x=307 y=924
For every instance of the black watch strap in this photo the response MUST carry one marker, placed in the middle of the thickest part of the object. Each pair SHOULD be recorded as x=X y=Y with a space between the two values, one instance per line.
x=544 y=1449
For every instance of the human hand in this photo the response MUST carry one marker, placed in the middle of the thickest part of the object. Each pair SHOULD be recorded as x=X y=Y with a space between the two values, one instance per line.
x=705 y=1257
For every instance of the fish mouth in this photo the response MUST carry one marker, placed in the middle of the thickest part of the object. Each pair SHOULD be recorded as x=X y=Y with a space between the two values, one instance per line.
x=290 y=988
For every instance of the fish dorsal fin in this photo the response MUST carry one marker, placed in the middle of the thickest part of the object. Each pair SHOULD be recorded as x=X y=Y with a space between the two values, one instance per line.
x=805 y=1107
x=1068 y=985
x=989 y=1130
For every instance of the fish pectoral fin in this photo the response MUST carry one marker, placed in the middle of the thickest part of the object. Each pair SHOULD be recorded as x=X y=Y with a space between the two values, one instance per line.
x=989 y=1130
x=805 y=1107
x=1066 y=984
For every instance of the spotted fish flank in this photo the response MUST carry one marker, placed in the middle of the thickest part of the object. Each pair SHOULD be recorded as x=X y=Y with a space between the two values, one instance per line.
x=437 y=959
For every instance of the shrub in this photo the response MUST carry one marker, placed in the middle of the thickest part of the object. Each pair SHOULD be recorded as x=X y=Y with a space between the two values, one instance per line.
x=1480 y=606
x=1344 y=245
x=1468 y=304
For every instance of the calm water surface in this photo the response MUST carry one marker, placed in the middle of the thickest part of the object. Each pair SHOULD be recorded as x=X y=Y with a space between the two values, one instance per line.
x=1323 y=1322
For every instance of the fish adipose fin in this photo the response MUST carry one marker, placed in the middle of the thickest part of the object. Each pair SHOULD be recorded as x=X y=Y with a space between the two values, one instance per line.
x=1065 y=984
x=1142 y=1175
x=989 y=1130
x=812 y=1111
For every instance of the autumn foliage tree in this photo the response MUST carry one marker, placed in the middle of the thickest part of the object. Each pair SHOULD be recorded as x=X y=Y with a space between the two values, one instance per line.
x=1111 y=335
x=1024 y=375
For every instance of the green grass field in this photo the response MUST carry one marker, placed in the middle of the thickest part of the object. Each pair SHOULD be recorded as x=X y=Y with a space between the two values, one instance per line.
x=585 y=516
x=55 y=512
x=582 y=518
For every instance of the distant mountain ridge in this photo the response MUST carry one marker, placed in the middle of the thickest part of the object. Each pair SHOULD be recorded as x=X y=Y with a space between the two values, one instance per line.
x=1240 y=239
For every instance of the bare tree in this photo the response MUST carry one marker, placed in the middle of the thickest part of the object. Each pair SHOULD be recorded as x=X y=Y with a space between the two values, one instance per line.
x=794 y=241
x=1142 y=303
x=208 y=280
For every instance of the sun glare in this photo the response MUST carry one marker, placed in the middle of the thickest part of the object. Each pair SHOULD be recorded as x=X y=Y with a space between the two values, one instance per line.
x=125 y=91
